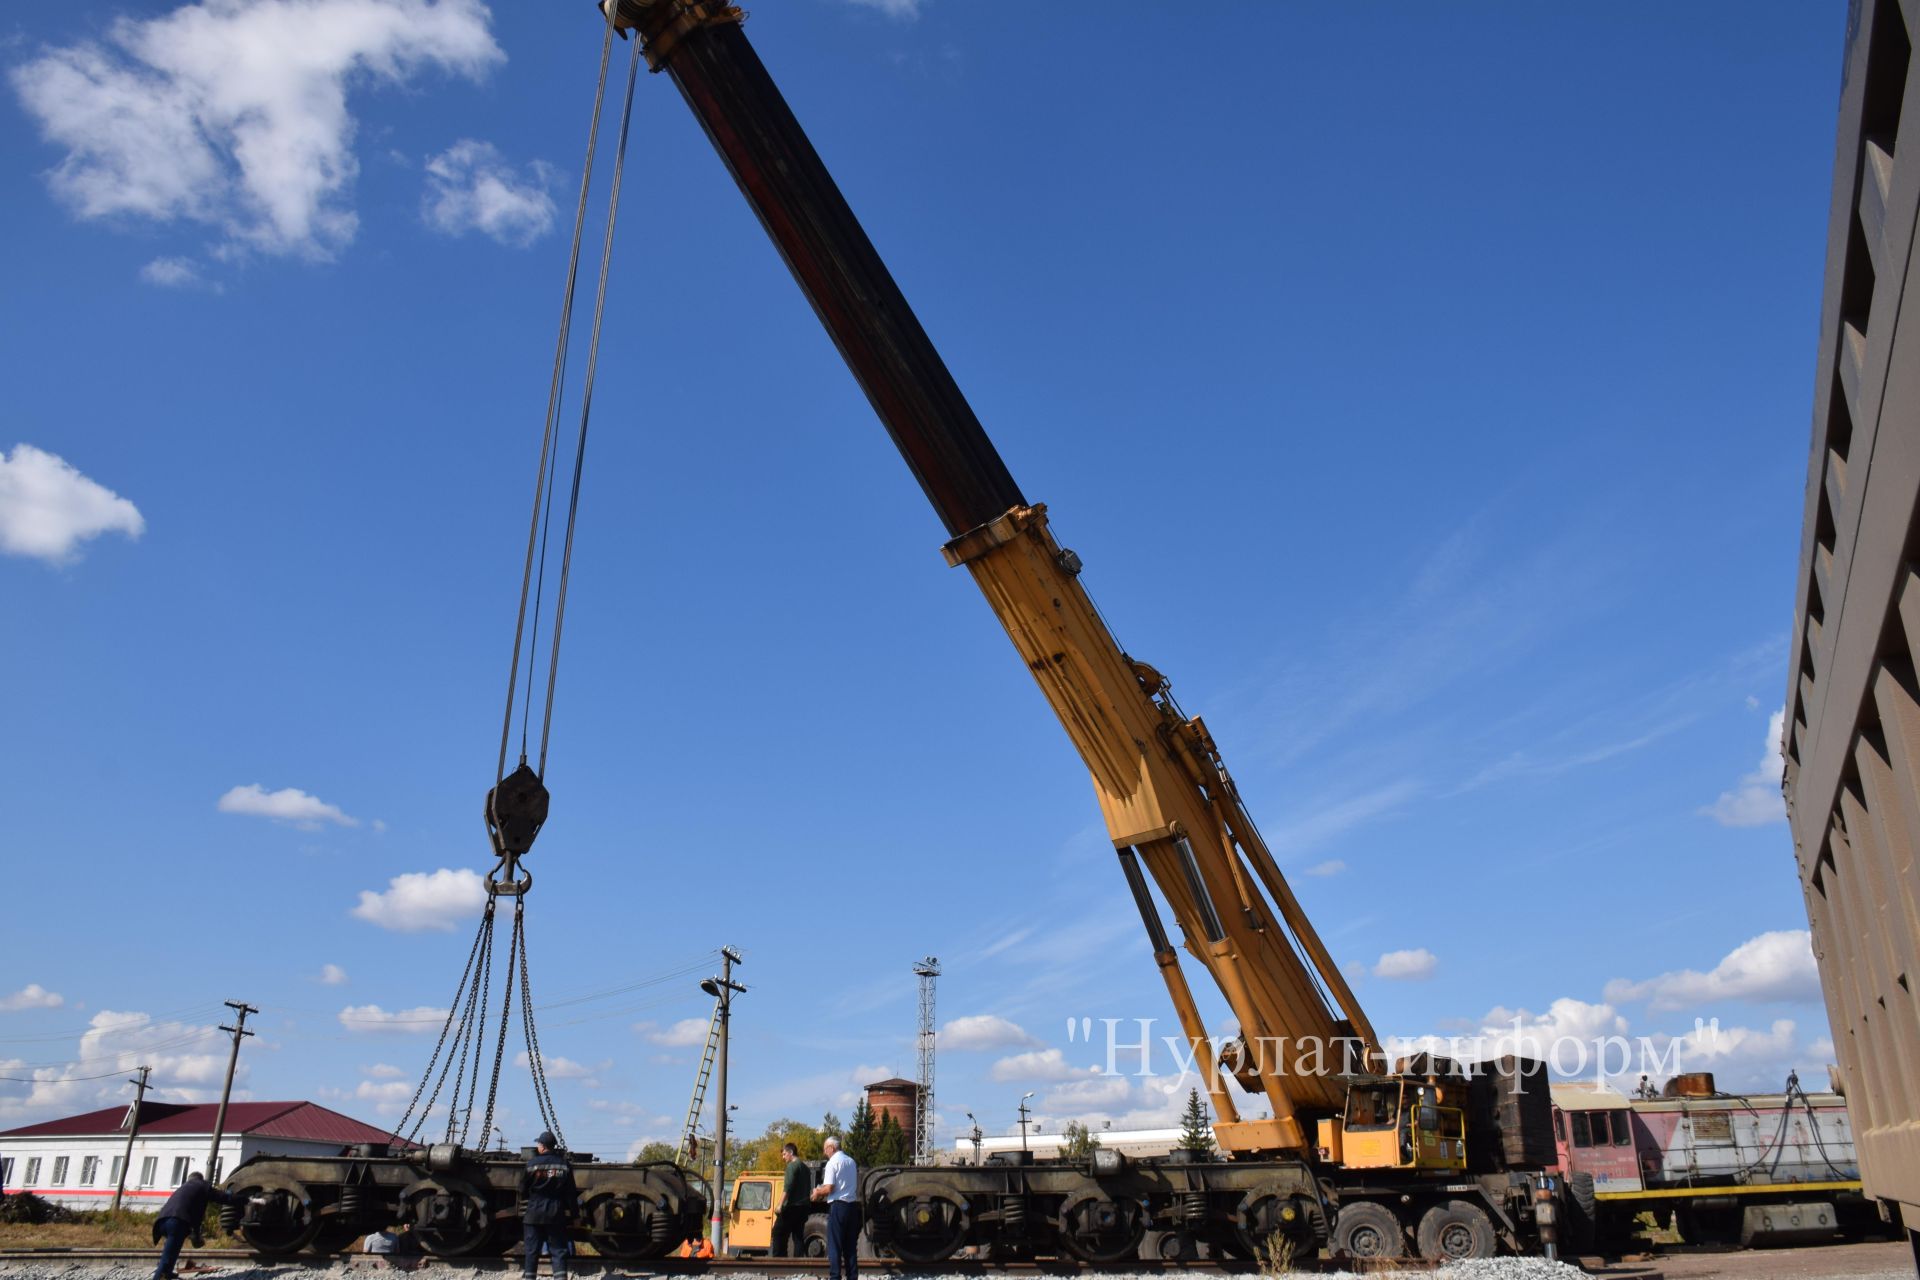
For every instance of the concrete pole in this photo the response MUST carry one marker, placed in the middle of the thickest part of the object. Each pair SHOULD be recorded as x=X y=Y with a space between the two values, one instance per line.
x=239 y=1029
x=720 y=1121
x=133 y=1128
x=722 y=989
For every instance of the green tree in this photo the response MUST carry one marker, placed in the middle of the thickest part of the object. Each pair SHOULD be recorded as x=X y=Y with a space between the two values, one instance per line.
x=862 y=1136
x=830 y=1126
x=890 y=1142
x=655 y=1151
x=1081 y=1142
x=763 y=1152
x=1196 y=1133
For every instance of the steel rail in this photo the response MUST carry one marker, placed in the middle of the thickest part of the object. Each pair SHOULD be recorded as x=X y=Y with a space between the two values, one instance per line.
x=589 y=1264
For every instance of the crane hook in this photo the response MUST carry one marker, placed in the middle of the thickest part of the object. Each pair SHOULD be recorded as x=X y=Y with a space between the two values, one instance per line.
x=516 y=810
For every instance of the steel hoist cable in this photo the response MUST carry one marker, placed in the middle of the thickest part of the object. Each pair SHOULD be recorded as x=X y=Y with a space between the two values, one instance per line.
x=516 y=805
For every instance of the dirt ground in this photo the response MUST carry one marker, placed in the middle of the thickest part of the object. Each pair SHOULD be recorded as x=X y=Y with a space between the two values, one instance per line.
x=1821 y=1262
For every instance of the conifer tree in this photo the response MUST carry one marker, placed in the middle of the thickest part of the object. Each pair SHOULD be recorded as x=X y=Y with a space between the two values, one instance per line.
x=890 y=1142
x=862 y=1136
x=1196 y=1134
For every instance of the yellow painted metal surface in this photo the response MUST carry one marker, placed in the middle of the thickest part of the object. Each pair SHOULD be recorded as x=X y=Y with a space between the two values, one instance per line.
x=1163 y=791
x=1756 y=1189
x=1332 y=1140
x=756 y=1198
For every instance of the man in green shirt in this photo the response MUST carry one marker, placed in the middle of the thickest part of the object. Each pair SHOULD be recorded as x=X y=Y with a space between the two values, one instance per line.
x=790 y=1224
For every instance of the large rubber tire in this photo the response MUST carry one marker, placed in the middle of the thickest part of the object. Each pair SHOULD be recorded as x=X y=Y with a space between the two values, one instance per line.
x=1583 y=1213
x=1368 y=1229
x=1456 y=1230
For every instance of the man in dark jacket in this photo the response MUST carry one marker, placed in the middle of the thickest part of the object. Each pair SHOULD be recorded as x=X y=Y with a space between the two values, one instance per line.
x=551 y=1198
x=790 y=1224
x=181 y=1216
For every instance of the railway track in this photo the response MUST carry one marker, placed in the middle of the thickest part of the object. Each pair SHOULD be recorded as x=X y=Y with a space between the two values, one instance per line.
x=212 y=1261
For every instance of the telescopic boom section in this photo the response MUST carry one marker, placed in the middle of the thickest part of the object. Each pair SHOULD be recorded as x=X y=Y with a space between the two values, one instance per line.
x=1170 y=806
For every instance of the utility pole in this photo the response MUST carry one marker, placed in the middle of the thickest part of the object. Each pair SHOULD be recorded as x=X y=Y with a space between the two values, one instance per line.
x=723 y=989
x=927 y=971
x=237 y=1030
x=133 y=1128
x=1023 y=1122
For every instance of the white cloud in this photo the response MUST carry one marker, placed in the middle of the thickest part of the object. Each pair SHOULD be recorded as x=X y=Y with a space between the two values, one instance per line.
x=176 y=273
x=47 y=508
x=1331 y=867
x=1712 y=1047
x=188 y=1061
x=681 y=1035
x=982 y=1031
x=1757 y=800
x=385 y=1071
x=1041 y=1064
x=421 y=900
x=371 y=1018
x=289 y=804
x=31 y=996
x=1774 y=966
x=1563 y=1036
x=1406 y=966
x=1093 y=1093
x=558 y=1068
x=234 y=113
x=1317 y=826
x=385 y=1091
x=905 y=10
x=471 y=188
x=332 y=975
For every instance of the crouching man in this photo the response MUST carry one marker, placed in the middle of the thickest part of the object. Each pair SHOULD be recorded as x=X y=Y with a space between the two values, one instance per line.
x=181 y=1216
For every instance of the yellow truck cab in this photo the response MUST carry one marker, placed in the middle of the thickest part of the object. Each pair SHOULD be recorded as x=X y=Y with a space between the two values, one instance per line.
x=751 y=1207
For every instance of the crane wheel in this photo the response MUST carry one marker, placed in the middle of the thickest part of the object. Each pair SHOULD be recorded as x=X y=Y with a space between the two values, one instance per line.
x=279 y=1215
x=923 y=1228
x=1582 y=1230
x=1096 y=1228
x=1456 y=1230
x=1368 y=1229
x=449 y=1217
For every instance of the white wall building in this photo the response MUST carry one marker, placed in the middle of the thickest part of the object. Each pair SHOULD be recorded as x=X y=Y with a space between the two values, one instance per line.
x=1047 y=1146
x=75 y=1161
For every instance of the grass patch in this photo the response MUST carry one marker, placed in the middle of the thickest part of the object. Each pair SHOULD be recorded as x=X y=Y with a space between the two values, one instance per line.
x=100 y=1229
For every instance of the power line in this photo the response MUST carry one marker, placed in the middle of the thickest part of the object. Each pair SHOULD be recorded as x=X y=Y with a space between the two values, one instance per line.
x=141 y=1020
x=56 y=1079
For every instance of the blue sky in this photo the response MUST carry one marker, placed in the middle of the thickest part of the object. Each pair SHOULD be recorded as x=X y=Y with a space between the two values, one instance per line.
x=1426 y=390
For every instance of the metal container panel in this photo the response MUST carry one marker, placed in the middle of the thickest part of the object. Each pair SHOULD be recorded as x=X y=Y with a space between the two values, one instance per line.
x=1852 y=723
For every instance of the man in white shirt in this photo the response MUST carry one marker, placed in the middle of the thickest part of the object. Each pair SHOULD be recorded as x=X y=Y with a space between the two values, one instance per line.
x=840 y=1188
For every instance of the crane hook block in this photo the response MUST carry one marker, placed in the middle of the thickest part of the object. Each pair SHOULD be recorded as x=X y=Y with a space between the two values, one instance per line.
x=516 y=809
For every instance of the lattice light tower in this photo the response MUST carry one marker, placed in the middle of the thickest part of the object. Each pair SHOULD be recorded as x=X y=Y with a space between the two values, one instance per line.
x=927 y=970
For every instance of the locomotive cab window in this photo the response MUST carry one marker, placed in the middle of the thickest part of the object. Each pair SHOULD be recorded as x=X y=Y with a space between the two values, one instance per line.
x=1601 y=1129
x=755 y=1196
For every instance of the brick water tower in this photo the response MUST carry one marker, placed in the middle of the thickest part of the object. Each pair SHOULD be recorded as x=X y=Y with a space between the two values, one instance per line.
x=897 y=1098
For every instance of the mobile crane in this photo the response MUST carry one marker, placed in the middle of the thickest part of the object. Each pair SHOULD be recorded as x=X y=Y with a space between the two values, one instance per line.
x=1351 y=1151
x=1366 y=1156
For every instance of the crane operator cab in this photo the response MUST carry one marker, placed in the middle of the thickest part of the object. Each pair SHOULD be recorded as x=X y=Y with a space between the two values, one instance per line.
x=1396 y=1122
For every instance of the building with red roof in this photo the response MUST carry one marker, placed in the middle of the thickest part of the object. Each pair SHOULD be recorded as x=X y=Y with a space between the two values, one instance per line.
x=76 y=1160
